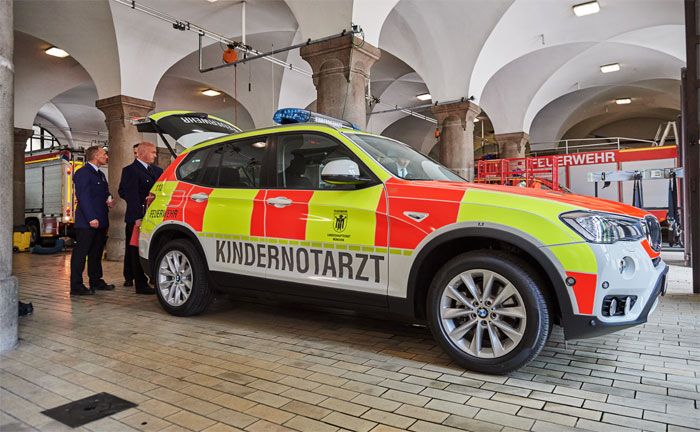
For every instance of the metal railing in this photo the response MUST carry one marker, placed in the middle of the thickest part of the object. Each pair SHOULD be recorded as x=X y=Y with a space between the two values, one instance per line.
x=587 y=144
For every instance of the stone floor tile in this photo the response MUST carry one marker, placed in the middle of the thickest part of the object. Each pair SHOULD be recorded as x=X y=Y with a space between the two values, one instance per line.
x=306 y=410
x=305 y=424
x=270 y=368
x=388 y=418
x=349 y=422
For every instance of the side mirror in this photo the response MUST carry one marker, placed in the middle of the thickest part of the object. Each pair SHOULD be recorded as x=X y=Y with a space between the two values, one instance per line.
x=342 y=172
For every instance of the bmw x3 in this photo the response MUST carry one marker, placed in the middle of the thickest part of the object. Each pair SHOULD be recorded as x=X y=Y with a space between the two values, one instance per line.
x=319 y=211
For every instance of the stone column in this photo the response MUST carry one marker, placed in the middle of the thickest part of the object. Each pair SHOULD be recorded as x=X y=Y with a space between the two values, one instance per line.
x=123 y=135
x=512 y=145
x=163 y=158
x=341 y=69
x=8 y=283
x=456 y=123
x=21 y=137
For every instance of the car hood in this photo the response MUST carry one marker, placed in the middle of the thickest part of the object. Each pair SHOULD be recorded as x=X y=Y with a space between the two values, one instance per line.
x=426 y=189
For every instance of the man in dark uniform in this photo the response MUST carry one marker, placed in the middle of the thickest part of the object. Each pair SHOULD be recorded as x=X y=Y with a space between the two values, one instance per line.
x=91 y=223
x=137 y=181
x=128 y=270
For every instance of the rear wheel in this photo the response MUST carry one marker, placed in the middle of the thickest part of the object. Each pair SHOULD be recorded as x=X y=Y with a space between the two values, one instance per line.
x=181 y=279
x=487 y=312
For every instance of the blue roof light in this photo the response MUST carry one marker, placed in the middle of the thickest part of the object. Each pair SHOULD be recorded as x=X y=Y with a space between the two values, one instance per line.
x=300 y=115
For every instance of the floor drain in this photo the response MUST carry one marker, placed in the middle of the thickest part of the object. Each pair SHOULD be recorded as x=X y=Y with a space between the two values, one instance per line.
x=87 y=410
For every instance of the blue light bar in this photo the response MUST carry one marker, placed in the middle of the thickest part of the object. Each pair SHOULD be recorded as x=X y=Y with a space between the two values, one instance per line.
x=300 y=115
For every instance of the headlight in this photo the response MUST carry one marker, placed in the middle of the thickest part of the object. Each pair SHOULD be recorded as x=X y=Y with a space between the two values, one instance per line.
x=599 y=227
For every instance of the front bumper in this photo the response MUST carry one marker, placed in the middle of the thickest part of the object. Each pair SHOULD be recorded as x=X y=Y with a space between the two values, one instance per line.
x=588 y=326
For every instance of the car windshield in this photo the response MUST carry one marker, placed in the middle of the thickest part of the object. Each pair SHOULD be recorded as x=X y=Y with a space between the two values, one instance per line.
x=401 y=160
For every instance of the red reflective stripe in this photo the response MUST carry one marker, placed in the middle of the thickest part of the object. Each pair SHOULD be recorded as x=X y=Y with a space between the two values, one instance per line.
x=629 y=155
x=169 y=172
x=584 y=290
x=381 y=229
x=194 y=210
x=257 y=218
x=178 y=198
x=441 y=203
x=287 y=222
x=651 y=252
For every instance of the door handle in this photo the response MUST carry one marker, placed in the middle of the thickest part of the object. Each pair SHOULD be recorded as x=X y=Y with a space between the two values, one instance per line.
x=279 y=202
x=199 y=197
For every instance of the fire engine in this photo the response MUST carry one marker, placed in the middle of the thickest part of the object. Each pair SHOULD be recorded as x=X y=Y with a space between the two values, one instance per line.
x=49 y=198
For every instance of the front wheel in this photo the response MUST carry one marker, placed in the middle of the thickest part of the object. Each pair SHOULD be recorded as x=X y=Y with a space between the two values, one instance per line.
x=181 y=279
x=487 y=312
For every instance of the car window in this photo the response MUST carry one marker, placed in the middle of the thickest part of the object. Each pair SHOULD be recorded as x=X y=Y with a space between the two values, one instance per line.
x=235 y=164
x=190 y=169
x=301 y=158
x=241 y=163
x=401 y=160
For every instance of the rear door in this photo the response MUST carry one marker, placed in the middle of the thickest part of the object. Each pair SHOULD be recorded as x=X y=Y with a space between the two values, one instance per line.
x=187 y=128
x=326 y=235
x=233 y=221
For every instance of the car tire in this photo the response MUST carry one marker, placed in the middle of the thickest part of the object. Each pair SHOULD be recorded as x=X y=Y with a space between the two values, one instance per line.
x=513 y=316
x=180 y=279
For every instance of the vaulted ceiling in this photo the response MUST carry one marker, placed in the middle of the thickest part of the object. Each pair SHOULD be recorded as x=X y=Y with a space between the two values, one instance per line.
x=532 y=65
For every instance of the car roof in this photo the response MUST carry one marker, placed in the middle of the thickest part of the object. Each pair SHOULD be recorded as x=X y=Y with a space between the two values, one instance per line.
x=273 y=129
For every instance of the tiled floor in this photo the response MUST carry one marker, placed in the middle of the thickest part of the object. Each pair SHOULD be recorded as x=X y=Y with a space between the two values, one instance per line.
x=254 y=367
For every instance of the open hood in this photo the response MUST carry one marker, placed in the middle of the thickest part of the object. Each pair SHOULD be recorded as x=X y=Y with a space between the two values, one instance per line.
x=187 y=128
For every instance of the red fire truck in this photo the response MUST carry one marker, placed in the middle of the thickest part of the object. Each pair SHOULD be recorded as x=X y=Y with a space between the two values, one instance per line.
x=573 y=172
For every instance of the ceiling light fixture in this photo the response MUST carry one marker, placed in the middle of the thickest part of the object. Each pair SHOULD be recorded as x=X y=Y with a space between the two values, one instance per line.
x=211 y=1
x=623 y=101
x=210 y=92
x=56 y=52
x=612 y=67
x=476 y=119
x=587 y=8
x=424 y=97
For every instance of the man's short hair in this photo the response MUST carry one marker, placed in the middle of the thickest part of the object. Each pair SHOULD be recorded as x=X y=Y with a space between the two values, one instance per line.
x=136 y=146
x=91 y=152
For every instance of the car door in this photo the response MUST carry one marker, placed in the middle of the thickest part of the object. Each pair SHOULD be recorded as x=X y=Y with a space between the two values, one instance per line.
x=330 y=238
x=233 y=223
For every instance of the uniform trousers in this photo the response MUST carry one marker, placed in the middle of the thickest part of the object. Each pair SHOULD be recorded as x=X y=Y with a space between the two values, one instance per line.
x=89 y=243
x=131 y=259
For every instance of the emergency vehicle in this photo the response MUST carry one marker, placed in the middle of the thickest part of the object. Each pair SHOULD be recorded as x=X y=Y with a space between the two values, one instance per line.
x=316 y=210
x=49 y=198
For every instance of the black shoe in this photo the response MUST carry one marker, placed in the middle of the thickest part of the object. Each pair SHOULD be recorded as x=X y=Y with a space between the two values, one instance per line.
x=81 y=290
x=103 y=287
x=128 y=283
x=145 y=290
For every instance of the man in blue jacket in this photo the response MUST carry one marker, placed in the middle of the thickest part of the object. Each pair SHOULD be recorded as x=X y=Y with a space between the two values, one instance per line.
x=91 y=223
x=136 y=183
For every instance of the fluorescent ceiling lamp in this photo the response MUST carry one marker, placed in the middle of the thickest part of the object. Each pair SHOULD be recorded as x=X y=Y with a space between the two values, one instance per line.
x=56 y=52
x=210 y=92
x=612 y=67
x=424 y=97
x=587 y=8
x=211 y=1
x=623 y=101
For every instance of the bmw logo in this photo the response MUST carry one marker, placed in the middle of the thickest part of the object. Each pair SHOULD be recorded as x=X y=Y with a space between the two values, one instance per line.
x=482 y=313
